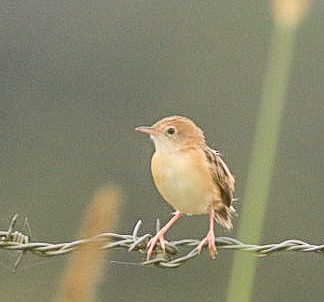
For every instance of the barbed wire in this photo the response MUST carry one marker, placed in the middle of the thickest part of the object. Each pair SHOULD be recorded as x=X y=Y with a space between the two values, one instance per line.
x=173 y=256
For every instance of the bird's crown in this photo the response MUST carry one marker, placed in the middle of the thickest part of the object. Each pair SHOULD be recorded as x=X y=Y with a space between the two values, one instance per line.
x=180 y=128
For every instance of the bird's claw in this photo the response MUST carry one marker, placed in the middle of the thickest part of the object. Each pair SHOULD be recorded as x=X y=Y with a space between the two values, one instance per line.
x=152 y=244
x=210 y=240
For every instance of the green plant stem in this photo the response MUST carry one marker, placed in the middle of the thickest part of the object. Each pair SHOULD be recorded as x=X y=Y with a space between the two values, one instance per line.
x=262 y=160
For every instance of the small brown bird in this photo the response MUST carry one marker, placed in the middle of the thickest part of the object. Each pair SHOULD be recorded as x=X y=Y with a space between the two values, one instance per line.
x=190 y=176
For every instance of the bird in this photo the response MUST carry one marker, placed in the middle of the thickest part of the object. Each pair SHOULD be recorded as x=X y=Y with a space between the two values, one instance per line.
x=189 y=175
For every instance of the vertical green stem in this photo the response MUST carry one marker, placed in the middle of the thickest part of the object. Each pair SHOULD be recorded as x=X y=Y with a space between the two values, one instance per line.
x=262 y=161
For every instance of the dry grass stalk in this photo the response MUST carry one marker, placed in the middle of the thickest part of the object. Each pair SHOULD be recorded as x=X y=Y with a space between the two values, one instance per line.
x=85 y=267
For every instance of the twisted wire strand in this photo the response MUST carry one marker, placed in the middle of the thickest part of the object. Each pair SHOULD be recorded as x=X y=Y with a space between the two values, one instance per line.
x=173 y=256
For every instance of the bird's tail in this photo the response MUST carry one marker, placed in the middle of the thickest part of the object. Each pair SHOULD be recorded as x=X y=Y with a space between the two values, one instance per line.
x=224 y=217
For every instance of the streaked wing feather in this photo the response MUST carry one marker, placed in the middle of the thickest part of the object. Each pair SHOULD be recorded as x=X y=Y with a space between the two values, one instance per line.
x=221 y=175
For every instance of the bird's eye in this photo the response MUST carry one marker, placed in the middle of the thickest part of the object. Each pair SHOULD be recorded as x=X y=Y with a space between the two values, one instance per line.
x=171 y=131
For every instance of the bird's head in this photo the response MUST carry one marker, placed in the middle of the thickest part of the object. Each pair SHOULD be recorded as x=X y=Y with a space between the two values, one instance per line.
x=174 y=133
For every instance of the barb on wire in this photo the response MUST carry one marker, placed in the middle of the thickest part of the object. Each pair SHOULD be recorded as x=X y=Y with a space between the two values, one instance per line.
x=15 y=236
x=175 y=254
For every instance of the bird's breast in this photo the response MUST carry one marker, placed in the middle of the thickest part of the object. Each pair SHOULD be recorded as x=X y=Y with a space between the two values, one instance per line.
x=184 y=181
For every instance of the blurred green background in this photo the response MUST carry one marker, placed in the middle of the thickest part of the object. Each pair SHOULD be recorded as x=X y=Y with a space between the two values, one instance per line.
x=78 y=76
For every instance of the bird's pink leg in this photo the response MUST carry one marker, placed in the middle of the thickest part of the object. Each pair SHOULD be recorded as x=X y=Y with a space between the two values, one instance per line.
x=210 y=237
x=160 y=235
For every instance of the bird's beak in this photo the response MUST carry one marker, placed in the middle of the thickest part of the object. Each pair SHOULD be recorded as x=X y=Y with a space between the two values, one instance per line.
x=146 y=130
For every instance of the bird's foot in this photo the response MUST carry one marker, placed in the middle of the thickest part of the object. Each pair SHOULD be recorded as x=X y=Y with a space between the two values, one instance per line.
x=152 y=244
x=210 y=240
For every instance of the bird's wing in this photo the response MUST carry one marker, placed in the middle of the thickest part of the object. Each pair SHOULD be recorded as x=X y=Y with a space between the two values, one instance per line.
x=221 y=175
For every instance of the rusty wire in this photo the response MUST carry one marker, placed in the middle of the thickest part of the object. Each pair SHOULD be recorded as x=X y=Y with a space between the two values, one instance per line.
x=174 y=256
